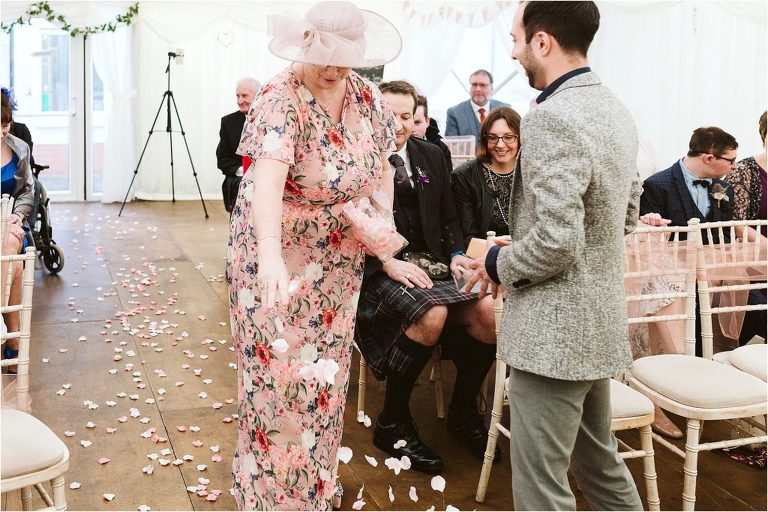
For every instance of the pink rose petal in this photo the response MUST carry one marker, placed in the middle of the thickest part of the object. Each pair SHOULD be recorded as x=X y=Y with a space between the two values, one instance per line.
x=104 y=460
x=216 y=458
x=197 y=443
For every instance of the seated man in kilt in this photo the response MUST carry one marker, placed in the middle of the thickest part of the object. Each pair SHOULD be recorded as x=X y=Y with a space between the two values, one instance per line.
x=405 y=307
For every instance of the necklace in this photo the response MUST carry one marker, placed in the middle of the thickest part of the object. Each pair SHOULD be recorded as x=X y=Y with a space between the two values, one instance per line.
x=491 y=177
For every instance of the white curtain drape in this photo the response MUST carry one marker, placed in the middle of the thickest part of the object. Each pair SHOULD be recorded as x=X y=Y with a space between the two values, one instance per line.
x=681 y=65
x=112 y=57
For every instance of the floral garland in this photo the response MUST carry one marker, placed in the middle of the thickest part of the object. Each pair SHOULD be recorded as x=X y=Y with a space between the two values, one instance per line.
x=43 y=10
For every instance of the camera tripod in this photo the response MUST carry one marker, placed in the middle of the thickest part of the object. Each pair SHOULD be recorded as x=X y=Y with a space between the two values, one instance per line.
x=167 y=99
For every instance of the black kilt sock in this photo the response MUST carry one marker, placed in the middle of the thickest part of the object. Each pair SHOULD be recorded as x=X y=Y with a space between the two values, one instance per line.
x=473 y=360
x=400 y=381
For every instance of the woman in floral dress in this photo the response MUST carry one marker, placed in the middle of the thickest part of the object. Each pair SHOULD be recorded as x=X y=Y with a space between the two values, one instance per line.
x=318 y=135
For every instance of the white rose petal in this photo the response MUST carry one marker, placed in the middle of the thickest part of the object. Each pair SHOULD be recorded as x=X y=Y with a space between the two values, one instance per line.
x=405 y=462
x=344 y=454
x=74 y=485
x=309 y=353
x=373 y=462
x=431 y=509
x=438 y=483
x=391 y=494
x=358 y=505
x=451 y=508
x=393 y=464
x=412 y=494
x=399 y=444
x=108 y=497
x=246 y=298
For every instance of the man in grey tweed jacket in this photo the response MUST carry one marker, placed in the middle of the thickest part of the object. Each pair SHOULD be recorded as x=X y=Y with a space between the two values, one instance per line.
x=575 y=194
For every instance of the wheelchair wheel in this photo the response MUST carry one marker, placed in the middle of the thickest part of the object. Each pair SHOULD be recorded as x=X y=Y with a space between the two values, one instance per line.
x=53 y=258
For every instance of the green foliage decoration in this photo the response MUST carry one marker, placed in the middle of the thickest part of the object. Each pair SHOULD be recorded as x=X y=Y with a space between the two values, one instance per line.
x=44 y=10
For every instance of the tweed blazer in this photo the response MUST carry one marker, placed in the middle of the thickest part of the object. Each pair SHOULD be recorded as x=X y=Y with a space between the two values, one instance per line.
x=574 y=197
x=24 y=188
x=461 y=119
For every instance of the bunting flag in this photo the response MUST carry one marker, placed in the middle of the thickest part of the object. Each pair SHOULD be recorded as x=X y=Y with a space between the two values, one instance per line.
x=467 y=14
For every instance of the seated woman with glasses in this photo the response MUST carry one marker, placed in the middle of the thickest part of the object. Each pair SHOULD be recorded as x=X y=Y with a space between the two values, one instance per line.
x=481 y=187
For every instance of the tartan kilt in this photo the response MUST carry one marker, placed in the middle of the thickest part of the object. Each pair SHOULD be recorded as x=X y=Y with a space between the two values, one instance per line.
x=385 y=310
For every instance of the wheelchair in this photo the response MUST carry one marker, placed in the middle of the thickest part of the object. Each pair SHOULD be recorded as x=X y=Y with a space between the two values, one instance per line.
x=40 y=225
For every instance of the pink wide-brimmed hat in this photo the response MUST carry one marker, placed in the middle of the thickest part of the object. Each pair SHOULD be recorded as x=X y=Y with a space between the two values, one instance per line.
x=335 y=34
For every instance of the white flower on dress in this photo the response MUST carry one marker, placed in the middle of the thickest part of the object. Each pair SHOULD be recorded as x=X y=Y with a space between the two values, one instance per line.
x=313 y=272
x=271 y=142
x=324 y=371
x=248 y=464
x=309 y=353
x=246 y=299
x=280 y=345
x=308 y=439
x=331 y=172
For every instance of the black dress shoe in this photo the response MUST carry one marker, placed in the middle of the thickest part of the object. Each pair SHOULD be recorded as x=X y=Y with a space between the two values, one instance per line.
x=422 y=457
x=469 y=426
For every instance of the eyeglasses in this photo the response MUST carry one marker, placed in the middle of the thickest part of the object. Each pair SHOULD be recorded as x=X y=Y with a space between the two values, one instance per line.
x=494 y=139
x=731 y=161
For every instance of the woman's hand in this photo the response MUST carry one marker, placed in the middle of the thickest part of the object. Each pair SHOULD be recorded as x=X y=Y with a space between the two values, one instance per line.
x=273 y=282
x=407 y=273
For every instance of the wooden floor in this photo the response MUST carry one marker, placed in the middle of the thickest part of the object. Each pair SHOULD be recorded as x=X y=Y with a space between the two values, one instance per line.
x=137 y=323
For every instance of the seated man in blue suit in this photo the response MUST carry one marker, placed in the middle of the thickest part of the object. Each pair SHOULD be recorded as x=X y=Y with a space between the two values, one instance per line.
x=693 y=188
x=466 y=117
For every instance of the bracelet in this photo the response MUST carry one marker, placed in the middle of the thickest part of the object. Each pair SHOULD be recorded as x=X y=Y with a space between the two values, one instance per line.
x=258 y=240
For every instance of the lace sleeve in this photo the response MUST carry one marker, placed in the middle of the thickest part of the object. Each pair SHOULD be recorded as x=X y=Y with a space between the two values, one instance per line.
x=739 y=180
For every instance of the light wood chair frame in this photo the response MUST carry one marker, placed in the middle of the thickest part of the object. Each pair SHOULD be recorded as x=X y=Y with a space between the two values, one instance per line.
x=53 y=474
x=632 y=249
x=696 y=416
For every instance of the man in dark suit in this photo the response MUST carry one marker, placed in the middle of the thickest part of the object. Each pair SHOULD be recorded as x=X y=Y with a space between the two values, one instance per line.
x=405 y=307
x=426 y=128
x=227 y=160
x=466 y=117
x=693 y=188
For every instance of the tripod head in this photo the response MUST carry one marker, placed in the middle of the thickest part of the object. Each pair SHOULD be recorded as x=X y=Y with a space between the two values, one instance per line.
x=178 y=55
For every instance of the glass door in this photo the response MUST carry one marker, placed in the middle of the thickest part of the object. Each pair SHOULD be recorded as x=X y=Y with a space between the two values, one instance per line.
x=45 y=68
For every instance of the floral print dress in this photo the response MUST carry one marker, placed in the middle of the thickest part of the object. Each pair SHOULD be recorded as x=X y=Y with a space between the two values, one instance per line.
x=293 y=364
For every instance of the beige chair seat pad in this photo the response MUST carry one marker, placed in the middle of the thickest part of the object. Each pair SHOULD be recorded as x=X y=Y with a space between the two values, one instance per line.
x=628 y=403
x=697 y=382
x=752 y=359
x=27 y=444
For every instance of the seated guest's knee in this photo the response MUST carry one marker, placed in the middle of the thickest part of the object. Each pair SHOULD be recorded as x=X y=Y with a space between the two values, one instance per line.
x=483 y=322
x=426 y=330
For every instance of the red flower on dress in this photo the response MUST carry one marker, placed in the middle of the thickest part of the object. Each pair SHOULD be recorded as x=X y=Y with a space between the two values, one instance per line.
x=291 y=187
x=335 y=238
x=365 y=92
x=335 y=137
x=262 y=440
x=266 y=89
x=320 y=487
x=322 y=400
x=263 y=353
x=328 y=316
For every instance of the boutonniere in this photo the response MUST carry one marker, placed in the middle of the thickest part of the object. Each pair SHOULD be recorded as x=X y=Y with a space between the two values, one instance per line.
x=719 y=193
x=421 y=177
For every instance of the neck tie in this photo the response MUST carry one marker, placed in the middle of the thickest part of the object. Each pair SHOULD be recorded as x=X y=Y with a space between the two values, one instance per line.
x=481 y=111
x=402 y=180
x=702 y=183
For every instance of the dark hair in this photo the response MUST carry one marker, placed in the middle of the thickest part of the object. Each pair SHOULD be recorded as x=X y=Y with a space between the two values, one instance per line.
x=507 y=114
x=572 y=24
x=760 y=125
x=7 y=109
x=482 y=72
x=421 y=101
x=400 y=87
x=711 y=139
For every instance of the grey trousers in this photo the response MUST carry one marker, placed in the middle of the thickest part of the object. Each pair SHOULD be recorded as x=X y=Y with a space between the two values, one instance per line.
x=556 y=424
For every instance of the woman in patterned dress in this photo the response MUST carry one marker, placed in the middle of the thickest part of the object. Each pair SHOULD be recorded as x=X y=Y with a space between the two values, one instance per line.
x=317 y=134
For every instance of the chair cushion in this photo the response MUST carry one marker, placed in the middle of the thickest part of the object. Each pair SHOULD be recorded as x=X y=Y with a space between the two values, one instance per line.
x=626 y=402
x=752 y=359
x=698 y=382
x=27 y=444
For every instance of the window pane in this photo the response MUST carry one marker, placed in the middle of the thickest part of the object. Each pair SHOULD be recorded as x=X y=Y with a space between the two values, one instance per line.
x=37 y=68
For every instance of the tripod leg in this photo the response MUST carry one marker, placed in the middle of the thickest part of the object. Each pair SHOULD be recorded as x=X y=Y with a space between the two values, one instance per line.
x=170 y=141
x=138 y=164
x=194 y=173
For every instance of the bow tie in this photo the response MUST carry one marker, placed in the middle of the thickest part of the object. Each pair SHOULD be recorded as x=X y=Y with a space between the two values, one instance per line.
x=402 y=180
x=702 y=183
